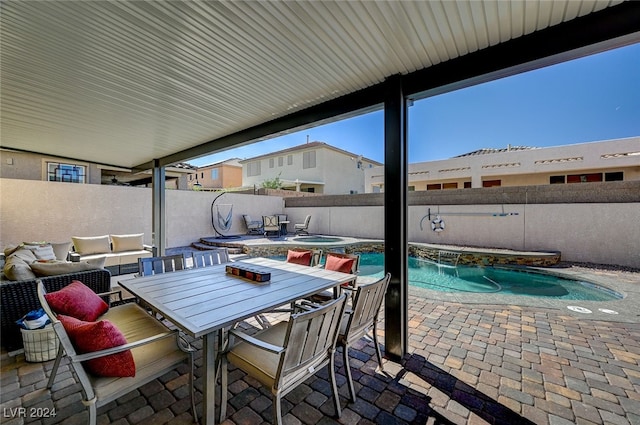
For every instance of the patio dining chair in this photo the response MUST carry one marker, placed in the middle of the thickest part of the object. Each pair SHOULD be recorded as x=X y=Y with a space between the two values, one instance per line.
x=302 y=228
x=305 y=257
x=210 y=257
x=270 y=224
x=361 y=318
x=287 y=354
x=155 y=265
x=345 y=263
x=123 y=350
x=254 y=227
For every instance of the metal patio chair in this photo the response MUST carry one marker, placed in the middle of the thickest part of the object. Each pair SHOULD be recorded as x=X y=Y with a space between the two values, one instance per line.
x=254 y=227
x=361 y=318
x=210 y=257
x=270 y=224
x=287 y=354
x=156 y=350
x=156 y=265
x=302 y=228
x=354 y=268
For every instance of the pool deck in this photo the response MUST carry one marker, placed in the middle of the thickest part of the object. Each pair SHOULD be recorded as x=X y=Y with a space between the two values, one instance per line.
x=626 y=309
x=471 y=360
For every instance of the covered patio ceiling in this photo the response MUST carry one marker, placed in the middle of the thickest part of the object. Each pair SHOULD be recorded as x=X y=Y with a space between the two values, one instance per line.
x=125 y=82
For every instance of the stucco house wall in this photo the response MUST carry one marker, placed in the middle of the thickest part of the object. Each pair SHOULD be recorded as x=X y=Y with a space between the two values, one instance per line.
x=524 y=167
x=335 y=172
x=229 y=176
x=29 y=166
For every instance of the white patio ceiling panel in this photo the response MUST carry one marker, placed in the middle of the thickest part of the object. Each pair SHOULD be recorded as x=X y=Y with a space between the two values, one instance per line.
x=122 y=83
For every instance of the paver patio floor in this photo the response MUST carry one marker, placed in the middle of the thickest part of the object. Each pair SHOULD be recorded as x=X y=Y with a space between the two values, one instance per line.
x=468 y=363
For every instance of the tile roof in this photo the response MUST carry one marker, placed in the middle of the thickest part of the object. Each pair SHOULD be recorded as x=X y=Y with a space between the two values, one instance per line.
x=485 y=151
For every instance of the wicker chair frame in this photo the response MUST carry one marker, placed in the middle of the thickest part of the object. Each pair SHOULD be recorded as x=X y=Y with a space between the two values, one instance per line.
x=20 y=297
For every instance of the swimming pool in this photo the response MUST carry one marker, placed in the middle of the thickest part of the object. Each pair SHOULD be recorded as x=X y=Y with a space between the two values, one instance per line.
x=526 y=282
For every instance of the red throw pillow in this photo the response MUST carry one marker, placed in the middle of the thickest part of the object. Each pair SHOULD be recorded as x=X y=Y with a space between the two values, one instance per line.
x=339 y=264
x=88 y=337
x=77 y=300
x=299 y=257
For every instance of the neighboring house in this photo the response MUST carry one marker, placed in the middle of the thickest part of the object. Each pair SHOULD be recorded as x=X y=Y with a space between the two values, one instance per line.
x=313 y=167
x=524 y=166
x=221 y=175
x=32 y=166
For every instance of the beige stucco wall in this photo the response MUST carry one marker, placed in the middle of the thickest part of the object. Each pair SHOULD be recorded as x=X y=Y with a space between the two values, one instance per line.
x=597 y=233
x=606 y=233
x=36 y=211
x=189 y=213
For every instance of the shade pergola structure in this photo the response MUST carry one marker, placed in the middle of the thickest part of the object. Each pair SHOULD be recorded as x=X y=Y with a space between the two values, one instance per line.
x=144 y=85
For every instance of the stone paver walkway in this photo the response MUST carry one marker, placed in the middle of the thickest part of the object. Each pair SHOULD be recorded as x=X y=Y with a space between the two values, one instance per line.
x=475 y=364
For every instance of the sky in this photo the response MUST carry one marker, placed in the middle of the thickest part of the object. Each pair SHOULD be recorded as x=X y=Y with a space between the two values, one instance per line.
x=585 y=100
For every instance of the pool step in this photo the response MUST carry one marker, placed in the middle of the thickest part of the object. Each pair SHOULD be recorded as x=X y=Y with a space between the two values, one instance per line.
x=206 y=244
x=203 y=247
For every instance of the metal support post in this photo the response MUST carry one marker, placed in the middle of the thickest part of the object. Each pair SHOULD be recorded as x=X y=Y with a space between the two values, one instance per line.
x=395 y=213
x=158 y=199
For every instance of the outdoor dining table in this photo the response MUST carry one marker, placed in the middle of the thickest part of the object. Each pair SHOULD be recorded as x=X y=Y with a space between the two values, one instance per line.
x=203 y=301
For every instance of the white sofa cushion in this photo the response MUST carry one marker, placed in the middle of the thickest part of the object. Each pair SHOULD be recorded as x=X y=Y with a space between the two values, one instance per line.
x=42 y=251
x=61 y=249
x=91 y=245
x=127 y=242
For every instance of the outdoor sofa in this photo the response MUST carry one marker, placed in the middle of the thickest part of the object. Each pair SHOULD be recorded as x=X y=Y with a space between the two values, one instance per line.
x=121 y=252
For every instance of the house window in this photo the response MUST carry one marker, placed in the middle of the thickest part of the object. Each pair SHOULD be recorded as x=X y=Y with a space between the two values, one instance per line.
x=69 y=173
x=434 y=186
x=272 y=162
x=450 y=186
x=613 y=177
x=289 y=159
x=467 y=185
x=584 y=178
x=214 y=174
x=253 y=169
x=491 y=183
x=280 y=161
x=556 y=180
x=412 y=188
x=309 y=159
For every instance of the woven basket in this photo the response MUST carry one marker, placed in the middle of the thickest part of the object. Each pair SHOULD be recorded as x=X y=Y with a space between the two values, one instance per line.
x=40 y=345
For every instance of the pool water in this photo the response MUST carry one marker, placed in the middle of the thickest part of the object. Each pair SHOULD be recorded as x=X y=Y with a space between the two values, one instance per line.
x=425 y=274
